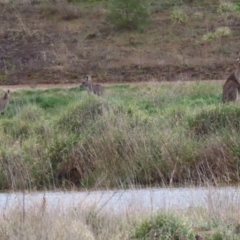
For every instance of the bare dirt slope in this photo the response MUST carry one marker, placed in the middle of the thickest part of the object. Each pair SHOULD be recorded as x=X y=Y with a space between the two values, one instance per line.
x=60 y=42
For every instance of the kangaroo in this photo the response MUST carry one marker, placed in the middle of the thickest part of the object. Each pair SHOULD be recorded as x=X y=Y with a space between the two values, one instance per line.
x=231 y=88
x=4 y=101
x=92 y=88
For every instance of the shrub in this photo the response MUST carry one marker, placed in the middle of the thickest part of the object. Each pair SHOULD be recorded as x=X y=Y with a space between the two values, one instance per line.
x=163 y=226
x=179 y=16
x=128 y=14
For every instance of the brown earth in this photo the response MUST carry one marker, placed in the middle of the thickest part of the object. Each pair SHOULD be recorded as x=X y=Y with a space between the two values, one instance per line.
x=61 y=42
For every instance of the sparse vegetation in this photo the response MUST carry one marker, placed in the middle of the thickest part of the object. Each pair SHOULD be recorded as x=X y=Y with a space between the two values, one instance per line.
x=116 y=41
x=219 y=32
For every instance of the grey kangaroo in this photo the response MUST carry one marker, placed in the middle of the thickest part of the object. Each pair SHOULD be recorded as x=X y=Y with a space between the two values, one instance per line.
x=93 y=88
x=4 y=101
x=231 y=88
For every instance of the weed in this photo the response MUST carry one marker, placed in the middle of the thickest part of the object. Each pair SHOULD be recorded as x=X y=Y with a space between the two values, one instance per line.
x=178 y=15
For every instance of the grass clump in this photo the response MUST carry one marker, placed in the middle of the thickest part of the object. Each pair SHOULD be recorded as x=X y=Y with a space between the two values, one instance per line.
x=222 y=32
x=25 y=121
x=208 y=37
x=225 y=7
x=178 y=15
x=163 y=226
x=219 y=32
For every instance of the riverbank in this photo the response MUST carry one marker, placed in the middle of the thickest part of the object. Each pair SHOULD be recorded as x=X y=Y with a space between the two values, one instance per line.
x=182 y=213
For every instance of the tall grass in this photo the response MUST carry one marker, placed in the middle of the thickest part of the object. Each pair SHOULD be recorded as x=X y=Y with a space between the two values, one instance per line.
x=152 y=134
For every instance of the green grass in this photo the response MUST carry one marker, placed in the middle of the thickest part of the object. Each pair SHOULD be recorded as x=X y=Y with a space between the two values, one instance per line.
x=150 y=134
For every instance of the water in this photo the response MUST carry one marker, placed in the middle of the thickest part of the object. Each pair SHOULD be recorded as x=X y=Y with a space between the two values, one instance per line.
x=120 y=200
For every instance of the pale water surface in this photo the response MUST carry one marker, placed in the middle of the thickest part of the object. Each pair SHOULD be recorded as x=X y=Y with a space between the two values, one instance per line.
x=120 y=200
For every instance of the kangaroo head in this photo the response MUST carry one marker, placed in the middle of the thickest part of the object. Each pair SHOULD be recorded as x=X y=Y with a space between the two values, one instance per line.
x=87 y=82
x=88 y=78
x=6 y=94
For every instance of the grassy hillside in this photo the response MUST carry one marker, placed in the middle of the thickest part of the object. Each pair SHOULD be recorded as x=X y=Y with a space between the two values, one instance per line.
x=61 y=41
x=147 y=134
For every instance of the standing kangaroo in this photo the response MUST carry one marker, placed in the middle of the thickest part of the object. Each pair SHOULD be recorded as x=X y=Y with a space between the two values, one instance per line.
x=94 y=88
x=4 y=101
x=231 y=88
